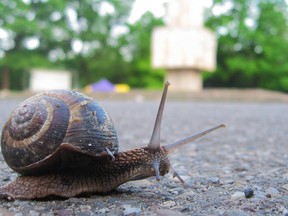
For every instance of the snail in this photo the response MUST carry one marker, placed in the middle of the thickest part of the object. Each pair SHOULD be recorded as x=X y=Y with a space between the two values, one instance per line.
x=65 y=144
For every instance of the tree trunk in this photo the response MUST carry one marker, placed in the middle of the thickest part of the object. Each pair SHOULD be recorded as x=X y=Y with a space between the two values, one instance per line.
x=6 y=78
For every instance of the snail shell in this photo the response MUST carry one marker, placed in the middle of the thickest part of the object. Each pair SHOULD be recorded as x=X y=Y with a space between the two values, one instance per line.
x=38 y=126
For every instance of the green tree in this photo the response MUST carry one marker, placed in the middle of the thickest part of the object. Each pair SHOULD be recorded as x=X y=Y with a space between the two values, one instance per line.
x=92 y=38
x=78 y=35
x=97 y=28
x=252 y=37
x=273 y=44
x=21 y=24
x=137 y=44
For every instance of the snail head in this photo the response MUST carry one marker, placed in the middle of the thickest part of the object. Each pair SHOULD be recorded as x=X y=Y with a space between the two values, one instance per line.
x=160 y=162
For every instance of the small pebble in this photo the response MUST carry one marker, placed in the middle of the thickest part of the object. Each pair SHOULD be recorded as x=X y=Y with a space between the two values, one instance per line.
x=186 y=209
x=169 y=204
x=285 y=186
x=249 y=192
x=128 y=209
x=268 y=195
x=102 y=211
x=229 y=181
x=237 y=195
x=272 y=191
x=214 y=180
x=33 y=213
x=113 y=200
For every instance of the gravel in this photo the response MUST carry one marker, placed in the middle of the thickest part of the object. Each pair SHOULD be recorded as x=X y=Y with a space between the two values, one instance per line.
x=249 y=192
x=251 y=152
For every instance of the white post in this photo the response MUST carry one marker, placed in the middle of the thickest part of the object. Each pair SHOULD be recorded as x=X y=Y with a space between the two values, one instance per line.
x=184 y=47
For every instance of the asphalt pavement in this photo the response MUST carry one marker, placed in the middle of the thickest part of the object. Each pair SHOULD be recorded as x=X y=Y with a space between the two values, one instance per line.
x=250 y=153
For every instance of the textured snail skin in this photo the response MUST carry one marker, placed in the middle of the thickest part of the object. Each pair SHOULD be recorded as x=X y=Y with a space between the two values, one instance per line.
x=99 y=175
x=39 y=125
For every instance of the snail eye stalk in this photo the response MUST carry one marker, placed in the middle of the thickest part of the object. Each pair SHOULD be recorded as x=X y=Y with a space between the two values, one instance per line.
x=154 y=142
x=184 y=141
x=156 y=168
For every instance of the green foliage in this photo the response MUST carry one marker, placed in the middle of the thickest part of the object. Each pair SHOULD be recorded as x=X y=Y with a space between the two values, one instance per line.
x=252 y=39
x=138 y=41
x=92 y=38
x=19 y=23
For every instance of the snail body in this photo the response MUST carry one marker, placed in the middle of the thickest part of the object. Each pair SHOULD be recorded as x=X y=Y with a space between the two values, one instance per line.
x=99 y=175
x=65 y=144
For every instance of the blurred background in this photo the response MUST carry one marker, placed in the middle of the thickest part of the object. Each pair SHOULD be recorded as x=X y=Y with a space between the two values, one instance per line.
x=227 y=61
x=108 y=44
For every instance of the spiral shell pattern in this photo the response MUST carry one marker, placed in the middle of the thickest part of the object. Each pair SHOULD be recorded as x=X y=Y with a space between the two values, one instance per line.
x=38 y=126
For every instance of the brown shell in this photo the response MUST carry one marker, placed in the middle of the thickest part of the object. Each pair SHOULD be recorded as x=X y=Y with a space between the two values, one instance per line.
x=38 y=126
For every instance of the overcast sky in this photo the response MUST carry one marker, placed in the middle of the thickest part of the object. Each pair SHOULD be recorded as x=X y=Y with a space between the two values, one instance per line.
x=155 y=6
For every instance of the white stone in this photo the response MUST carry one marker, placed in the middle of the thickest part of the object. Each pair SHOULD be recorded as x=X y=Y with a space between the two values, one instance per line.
x=169 y=204
x=128 y=209
x=185 y=80
x=178 y=48
x=185 y=13
x=285 y=186
x=184 y=47
x=237 y=195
